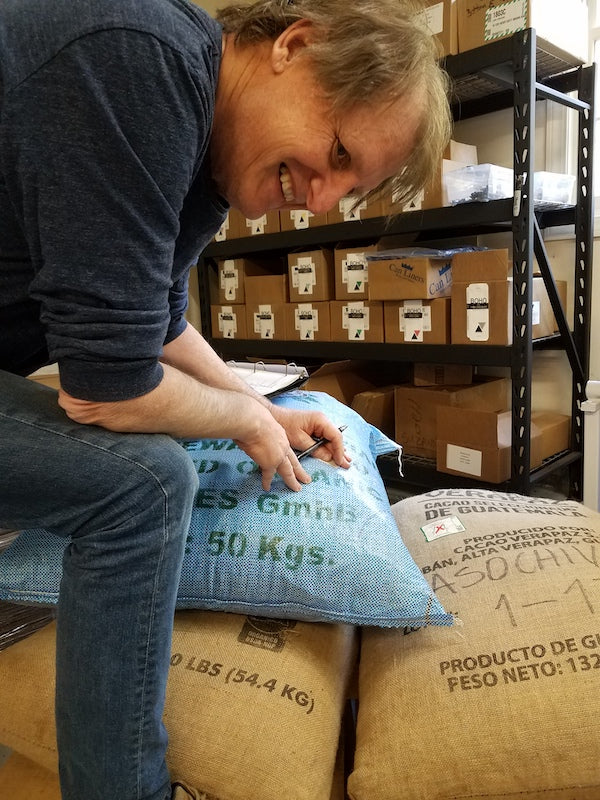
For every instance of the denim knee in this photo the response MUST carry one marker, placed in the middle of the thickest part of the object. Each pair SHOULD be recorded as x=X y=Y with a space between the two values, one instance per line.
x=172 y=469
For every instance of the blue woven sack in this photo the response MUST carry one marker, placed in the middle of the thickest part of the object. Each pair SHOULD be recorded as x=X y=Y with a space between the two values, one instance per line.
x=331 y=552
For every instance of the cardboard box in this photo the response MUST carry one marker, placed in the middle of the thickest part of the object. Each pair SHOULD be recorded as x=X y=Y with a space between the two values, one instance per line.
x=482 y=312
x=543 y=321
x=434 y=194
x=268 y=223
x=416 y=410
x=478 y=443
x=356 y=321
x=307 y=322
x=456 y=156
x=228 y=322
x=267 y=289
x=348 y=211
x=472 y=266
x=233 y=272
x=442 y=374
x=442 y=19
x=409 y=277
x=461 y=152
x=300 y=219
x=352 y=272
x=48 y=376
x=554 y=431
x=483 y=21
x=376 y=406
x=265 y=320
x=311 y=276
x=486 y=459
x=341 y=379
x=417 y=321
x=230 y=229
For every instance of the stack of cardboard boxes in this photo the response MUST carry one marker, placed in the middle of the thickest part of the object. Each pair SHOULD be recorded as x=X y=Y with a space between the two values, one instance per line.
x=362 y=294
x=415 y=291
x=445 y=414
x=483 y=21
x=236 y=226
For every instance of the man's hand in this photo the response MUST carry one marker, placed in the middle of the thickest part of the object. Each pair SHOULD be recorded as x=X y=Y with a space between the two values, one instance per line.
x=268 y=445
x=303 y=427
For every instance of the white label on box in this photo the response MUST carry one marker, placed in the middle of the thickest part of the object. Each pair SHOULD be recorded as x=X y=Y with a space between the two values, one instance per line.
x=535 y=312
x=304 y=275
x=463 y=459
x=443 y=527
x=221 y=234
x=415 y=318
x=306 y=321
x=348 y=210
x=434 y=18
x=416 y=204
x=355 y=272
x=257 y=226
x=300 y=218
x=229 y=279
x=355 y=319
x=505 y=19
x=227 y=322
x=478 y=312
x=264 y=322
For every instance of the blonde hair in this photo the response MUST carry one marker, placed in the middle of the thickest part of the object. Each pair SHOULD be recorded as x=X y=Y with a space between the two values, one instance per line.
x=366 y=52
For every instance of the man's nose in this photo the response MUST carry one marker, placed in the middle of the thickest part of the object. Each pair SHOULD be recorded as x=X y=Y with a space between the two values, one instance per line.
x=326 y=192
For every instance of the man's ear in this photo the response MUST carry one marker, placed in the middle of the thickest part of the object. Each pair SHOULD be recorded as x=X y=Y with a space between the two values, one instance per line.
x=291 y=43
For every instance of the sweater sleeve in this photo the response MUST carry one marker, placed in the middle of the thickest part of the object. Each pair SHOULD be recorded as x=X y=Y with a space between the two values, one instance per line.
x=108 y=137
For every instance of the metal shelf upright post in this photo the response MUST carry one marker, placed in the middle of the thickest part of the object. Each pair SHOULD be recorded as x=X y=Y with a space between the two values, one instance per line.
x=524 y=77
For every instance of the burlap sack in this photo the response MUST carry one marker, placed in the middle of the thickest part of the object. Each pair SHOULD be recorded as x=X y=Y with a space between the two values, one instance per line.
x=253 y=708
x=507 y=704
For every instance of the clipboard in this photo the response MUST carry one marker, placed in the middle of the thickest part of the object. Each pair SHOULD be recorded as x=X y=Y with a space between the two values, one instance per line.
x=269 y=379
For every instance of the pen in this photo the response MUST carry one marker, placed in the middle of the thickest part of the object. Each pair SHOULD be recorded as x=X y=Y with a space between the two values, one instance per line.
x=318 y=443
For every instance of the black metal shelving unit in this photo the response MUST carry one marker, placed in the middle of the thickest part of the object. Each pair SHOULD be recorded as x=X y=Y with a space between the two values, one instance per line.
x=513 y=72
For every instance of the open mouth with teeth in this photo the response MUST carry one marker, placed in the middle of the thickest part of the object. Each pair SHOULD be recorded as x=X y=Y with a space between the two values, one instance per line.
x=286 y=183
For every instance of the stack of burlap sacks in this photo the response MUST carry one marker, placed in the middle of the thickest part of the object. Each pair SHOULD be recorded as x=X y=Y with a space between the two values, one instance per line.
x=504 y=704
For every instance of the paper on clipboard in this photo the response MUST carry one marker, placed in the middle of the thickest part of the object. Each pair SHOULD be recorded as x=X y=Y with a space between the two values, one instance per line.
x=269 y=379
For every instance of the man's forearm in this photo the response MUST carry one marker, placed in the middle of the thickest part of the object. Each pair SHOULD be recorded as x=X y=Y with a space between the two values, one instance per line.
x=199 y=397
x=180 y=406
x=192 y=354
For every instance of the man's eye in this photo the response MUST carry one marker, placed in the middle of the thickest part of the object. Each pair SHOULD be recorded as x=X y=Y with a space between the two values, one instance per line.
x=342 y=156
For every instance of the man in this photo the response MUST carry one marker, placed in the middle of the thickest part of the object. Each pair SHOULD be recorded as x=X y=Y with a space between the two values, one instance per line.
x=127 y=128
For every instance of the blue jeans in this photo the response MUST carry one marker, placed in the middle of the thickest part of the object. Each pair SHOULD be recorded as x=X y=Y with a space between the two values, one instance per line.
x=126 y=501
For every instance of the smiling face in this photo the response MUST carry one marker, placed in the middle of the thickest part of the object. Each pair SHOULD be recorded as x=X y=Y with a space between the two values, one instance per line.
x=278 y=144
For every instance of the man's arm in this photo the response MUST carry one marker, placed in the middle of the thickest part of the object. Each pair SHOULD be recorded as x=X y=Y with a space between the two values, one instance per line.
x=199 y=397
x=192 y=354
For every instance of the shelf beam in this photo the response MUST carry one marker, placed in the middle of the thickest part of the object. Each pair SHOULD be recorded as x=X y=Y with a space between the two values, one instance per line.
x=435 y=223
x=490 y=355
